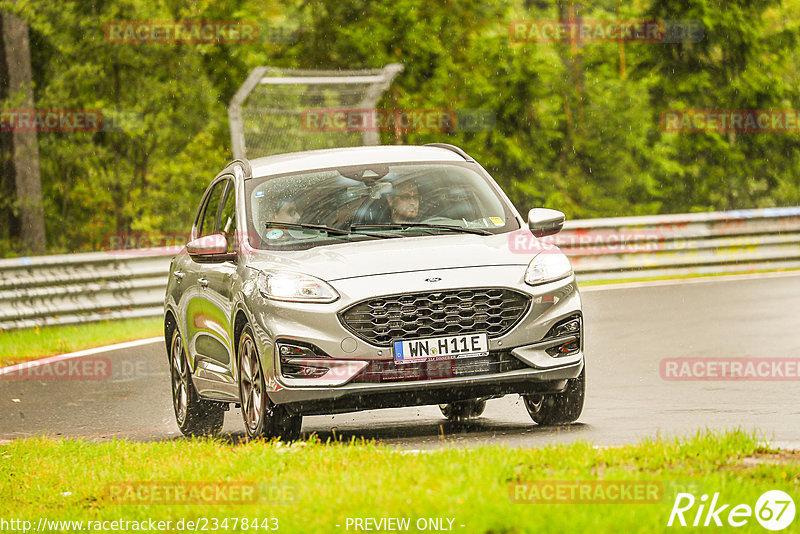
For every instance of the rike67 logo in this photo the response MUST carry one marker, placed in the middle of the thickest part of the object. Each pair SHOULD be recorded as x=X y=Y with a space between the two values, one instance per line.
x=774 y=510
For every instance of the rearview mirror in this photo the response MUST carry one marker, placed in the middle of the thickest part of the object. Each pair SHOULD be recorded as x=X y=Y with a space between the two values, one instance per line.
x=543 y=221
x=210 y=249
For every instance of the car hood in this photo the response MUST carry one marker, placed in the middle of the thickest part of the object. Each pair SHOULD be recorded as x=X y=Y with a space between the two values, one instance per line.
x=384 y=256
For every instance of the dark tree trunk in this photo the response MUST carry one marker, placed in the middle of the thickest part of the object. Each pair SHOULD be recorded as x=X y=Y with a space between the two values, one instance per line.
x=25 y=151
x=9 y=222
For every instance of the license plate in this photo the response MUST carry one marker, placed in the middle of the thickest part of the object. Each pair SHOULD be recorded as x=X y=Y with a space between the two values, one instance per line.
x=440 y=348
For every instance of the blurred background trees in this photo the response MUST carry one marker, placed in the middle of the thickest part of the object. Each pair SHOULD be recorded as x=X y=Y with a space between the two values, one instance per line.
x=576 y=125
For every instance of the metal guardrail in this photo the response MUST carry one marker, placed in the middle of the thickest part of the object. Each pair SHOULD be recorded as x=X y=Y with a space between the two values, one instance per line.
x=67 y=289
x=75 y=288
x=673 y=245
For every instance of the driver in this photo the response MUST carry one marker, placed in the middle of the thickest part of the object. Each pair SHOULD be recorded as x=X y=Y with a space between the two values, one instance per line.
x=286 y=212
x=283 y=211
x=404 y=202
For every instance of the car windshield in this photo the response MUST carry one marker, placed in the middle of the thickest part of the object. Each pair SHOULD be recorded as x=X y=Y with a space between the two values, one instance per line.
x=373 y=202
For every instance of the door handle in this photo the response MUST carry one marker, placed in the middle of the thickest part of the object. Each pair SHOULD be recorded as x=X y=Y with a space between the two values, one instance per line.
x=178 y=275
x=203 y=282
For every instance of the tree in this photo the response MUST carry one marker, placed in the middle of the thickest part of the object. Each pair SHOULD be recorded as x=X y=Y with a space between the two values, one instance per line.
x=25 y=155
x=746 y=61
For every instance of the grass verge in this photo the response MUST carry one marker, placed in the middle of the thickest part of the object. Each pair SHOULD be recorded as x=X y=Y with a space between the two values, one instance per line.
x=31 y=343
x=677 y=277
x=315 y=487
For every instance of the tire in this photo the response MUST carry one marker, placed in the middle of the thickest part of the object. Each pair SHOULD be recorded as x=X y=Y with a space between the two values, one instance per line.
x=262 y=418
x=463 y=410
x=558 y=408
x=195 y=416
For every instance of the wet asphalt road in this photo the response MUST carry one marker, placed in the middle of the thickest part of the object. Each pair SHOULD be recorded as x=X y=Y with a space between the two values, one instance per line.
x=628 y=332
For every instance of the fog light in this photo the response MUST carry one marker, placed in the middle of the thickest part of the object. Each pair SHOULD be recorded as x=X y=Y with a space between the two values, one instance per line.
x=294 y=358
x=296 y=370
x=570 y=327
x=568 y=333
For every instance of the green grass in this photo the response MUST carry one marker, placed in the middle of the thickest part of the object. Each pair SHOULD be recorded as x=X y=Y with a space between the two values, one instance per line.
x=30 y=343
x=312 y=486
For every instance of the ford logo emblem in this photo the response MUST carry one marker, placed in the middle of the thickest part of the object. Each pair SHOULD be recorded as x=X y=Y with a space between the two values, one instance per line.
x=433 y=279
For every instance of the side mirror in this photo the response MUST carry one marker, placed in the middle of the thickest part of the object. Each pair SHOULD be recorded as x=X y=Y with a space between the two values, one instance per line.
x=210 y=249
x=543 y=221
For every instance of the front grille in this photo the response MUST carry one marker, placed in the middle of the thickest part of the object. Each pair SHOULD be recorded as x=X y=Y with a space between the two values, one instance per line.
x=442 y=313
x=388 y=371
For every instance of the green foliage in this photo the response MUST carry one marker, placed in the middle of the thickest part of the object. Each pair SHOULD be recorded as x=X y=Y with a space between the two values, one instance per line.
x=576 y=127
x=746 y=61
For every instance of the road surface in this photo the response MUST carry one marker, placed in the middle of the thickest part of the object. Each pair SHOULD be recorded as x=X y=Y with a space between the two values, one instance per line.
x=628 y=332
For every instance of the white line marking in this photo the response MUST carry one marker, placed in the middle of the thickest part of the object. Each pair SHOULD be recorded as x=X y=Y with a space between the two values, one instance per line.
x=88 y=352
x=677 y=281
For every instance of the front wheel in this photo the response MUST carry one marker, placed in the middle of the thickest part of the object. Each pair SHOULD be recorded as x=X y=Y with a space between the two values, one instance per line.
x=558 y=408
x=195 y=416
x=262 y=418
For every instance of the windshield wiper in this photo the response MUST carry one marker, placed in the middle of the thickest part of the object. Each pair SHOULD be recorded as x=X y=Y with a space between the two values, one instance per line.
x=321 y=228
x=402 y=225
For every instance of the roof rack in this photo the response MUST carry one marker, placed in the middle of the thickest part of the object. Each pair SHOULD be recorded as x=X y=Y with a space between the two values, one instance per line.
x=452 y=148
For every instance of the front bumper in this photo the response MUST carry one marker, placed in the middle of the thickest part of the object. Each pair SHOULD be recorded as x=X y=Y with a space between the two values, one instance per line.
x=355 y=397
x=319 y=325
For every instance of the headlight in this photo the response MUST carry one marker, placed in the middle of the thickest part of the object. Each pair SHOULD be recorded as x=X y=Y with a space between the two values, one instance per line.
x=295 y=287
x=547 y=267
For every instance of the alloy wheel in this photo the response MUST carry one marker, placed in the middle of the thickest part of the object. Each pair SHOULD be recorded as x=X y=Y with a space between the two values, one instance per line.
x=180 y=379
x=252 y=384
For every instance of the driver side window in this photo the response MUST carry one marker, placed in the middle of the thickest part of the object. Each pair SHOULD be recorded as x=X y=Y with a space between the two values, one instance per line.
x=227 y=222
x=208 y=220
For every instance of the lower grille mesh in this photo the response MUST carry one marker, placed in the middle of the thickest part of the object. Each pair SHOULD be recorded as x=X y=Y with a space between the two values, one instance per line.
x=388 y=371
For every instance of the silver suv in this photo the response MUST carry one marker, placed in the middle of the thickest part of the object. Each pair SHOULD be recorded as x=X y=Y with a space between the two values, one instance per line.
x=358 y=278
